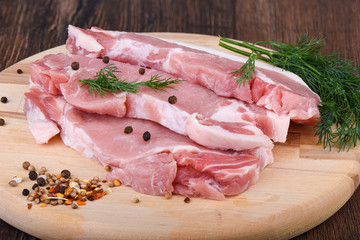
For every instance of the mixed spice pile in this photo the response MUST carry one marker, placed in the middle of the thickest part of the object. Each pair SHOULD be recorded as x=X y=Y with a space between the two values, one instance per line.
x=62 y=189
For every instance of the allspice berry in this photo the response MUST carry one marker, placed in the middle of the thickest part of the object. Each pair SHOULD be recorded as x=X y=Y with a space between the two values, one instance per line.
x=4 y=99
x=106 y=59
x=31 y=168
x=65 y=173
x=26 y=165
x=75 y=66
x=13 y=183
x=142 y=71
x=41 y=181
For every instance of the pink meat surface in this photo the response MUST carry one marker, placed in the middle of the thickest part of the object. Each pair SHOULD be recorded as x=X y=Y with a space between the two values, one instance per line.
x=168 y=162
x=38 y=112
x=52 y=73
x=272 y=88
x=193 y=102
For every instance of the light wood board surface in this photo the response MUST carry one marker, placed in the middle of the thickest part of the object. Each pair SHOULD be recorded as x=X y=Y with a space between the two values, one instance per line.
x=303 y=187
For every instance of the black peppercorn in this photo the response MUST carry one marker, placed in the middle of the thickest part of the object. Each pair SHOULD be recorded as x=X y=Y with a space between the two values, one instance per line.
x=128 y=129
x=19 y=71
x=2 y=122
x=146 y=136
x=35 y=186
x=75 y=66
x=61 y=189
x=172 y=99
x=65 y=173
x=106 y=59
x=187 y=200
x=25 y=192
x=33 y=175
x=4 y=99
x=142 y=71
x=41 y=181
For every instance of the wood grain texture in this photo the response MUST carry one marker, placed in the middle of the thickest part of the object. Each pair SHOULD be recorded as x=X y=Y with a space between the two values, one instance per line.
x=28 y=27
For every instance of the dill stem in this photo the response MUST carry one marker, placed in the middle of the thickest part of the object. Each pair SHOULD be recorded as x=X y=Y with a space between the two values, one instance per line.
x=245 y=53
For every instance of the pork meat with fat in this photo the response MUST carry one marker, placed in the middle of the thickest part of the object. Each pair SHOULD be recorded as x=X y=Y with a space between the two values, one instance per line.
x=272 y=88
x=167 y=162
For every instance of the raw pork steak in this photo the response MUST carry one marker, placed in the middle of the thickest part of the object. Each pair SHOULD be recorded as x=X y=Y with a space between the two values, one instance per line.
x=208 y=119
x=168 y=162
x=272 y=88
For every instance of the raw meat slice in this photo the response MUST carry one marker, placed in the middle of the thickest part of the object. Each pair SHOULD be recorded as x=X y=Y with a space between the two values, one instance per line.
x=194 y=102
x=151 y=167
x=40 y=124
x=112 y=104
x=272 y=88
x=54 y=70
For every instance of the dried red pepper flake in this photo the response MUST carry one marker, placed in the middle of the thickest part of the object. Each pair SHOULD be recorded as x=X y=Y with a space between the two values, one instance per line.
x=29 y=205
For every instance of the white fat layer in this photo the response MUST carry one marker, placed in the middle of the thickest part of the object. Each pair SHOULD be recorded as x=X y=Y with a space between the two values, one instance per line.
x=165 y=113
x=280 y=123
x=264 y=78
x=233 y=173
x=85 y=41
x=217 y=137
x=264 y=155
x=169 y=67
x=40 y=126
x=135 y=49
x=114 y=34
x=230 y=113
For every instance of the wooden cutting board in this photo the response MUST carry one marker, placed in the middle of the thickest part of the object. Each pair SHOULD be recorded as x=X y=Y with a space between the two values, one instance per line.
x=304 y=187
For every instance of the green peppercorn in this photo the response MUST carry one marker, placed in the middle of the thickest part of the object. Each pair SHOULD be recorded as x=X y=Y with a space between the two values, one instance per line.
x=41 y=181
x=33 y=175
x=128 y=129
x=25 y=192
x=142 y=71
x=106 y=60
x=146 y=136
x=65 y=173
x=172 y=99
x=75 y=66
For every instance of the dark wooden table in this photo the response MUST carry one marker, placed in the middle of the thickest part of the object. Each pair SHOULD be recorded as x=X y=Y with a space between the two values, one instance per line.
x=31 y=26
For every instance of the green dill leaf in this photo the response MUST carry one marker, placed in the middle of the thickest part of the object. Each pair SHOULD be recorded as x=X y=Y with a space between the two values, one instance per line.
x=336 y=81
x=106 y=81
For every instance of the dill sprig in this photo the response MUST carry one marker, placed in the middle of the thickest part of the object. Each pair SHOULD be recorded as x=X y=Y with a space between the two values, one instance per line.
x=336 y=81
x=106 y=81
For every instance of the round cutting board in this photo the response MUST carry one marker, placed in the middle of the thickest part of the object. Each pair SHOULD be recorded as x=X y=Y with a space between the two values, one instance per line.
x=303 y=187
